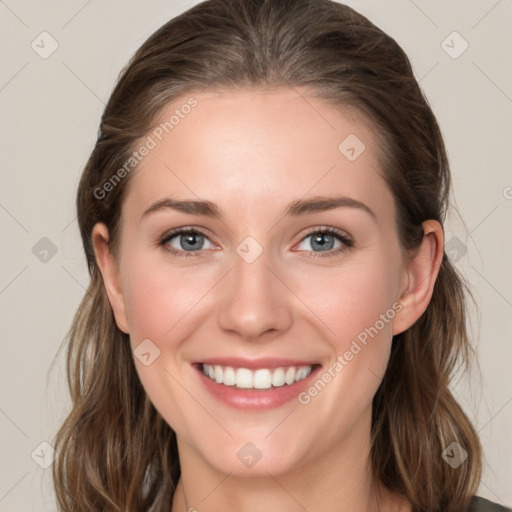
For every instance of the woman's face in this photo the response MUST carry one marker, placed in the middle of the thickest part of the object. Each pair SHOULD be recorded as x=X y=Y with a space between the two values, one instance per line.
x=257 y=286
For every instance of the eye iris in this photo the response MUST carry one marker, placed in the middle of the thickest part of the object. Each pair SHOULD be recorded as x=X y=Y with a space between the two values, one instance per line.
x=320 y=240
x=189 y=239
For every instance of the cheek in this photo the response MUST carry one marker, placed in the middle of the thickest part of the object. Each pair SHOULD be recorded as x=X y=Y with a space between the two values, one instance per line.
x=356 y=306
x=158 y=298
x=352 y=298
x=160 y=306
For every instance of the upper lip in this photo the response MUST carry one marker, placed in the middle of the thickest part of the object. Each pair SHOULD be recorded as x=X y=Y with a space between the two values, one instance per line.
x=255 y=364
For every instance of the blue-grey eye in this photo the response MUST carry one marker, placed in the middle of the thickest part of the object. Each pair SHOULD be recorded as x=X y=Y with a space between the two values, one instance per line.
x=187 y=241
x=321 y=241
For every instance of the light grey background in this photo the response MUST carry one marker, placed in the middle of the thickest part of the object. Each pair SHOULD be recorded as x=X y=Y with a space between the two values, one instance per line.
x=51 y=109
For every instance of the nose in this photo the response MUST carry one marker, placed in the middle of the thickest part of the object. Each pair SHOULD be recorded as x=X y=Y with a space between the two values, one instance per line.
x=256 y=301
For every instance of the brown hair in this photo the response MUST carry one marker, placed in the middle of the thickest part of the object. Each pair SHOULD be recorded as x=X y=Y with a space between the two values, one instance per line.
x=115 y=451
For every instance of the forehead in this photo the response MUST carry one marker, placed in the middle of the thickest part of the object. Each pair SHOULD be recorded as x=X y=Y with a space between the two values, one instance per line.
x=254 y=147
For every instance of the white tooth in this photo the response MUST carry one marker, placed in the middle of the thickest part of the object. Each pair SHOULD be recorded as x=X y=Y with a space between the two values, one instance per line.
x=290 y=375
x=244 y=378
x=229 y=376
x=302 y=373
x=218 y=374
x=262 y=379
x=278 y=377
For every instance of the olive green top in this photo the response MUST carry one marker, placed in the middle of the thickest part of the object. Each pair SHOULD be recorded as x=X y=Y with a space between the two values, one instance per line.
x=479 y=504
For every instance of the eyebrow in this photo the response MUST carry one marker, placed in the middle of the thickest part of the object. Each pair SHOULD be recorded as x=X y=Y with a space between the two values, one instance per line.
x=294 y=209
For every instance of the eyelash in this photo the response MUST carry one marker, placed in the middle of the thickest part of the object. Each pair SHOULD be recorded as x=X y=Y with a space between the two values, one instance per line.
x=347 y=243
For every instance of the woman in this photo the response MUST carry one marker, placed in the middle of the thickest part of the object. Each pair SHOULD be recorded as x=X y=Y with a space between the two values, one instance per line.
x=272 y=322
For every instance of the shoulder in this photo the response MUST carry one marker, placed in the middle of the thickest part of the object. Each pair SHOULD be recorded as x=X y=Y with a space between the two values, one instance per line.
x=479 y=504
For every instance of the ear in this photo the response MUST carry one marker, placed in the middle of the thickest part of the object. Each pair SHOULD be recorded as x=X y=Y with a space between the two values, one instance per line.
x=421 y=274
x=110 y=273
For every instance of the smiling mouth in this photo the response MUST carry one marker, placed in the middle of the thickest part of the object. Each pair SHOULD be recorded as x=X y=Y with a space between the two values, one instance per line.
x=262 y=378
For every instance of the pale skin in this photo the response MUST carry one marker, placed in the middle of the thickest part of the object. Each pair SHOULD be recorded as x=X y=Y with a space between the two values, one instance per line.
x=252 y=153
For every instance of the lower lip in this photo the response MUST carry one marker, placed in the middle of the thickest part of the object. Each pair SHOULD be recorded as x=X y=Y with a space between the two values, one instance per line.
x=256 y=398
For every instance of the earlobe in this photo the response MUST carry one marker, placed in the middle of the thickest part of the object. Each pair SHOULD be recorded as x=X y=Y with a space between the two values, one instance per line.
x=110 y=273
x=422 y=271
